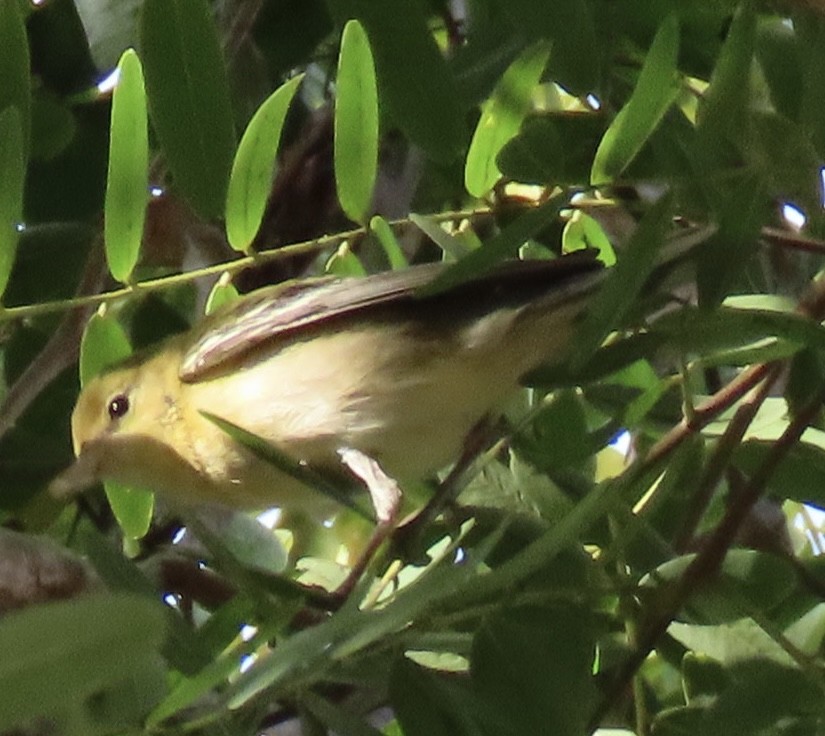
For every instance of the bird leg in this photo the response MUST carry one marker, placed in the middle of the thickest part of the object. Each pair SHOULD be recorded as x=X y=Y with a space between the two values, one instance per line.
x=386 y=500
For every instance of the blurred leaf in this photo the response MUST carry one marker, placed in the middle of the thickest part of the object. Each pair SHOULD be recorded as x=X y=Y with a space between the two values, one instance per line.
x=413 y=78
x=748 y=581
x=778 y=53
x=356 y=123
x=254 y=166
x=723 y=112
x=287 y=32
x=14 y=71
x=453 y=248
x=501 y=117
x=654 y=93
x=427 y=704
x=335 y=717
x=533 y=666
x=189 y=99
x=13 y=166
x=702 y=330
x=800 y=475
x=128 y=180
x=503 y=245
x=58 y=656
x=553 y=149
x=624 y=281
x=53 y=126
x=569 y=27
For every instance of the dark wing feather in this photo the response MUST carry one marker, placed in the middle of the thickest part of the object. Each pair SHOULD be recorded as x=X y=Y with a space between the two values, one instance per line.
x=287 y=308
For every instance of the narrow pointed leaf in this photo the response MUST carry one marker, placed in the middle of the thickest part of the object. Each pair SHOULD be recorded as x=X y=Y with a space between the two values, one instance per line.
x=501 y=118
x=254 y=166
x=392 y=248
x=128 y=179
x=356 y=123
x=189 y=98
x=653 y=95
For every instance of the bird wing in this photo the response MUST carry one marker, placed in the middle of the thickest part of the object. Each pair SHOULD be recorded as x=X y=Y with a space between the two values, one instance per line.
x=285 y=309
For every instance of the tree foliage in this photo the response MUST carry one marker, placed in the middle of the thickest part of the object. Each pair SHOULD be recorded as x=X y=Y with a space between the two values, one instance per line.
x=676 y=588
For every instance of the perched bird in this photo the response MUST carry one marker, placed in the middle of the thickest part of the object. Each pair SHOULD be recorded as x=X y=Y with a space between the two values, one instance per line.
x=361 y=373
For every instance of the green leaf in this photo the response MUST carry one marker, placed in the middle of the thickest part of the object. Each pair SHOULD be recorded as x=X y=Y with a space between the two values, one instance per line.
x=533 y=667
x=429 y=705
x=223 y=292
x=189 y=98
x=356 y=123
x=392 y=248
x=501 y=117
x=653 y=95
x=254 y=167
x=14 y=69
x=800 y=475
x=420 y=93
x=703 y=330
x=267 y=451
x=13 y=166
x=452 y=247
x=553 y=149
x=104 y=343
x=57 y=657
x=624 y=281
x=503 y=245
x=128 y=179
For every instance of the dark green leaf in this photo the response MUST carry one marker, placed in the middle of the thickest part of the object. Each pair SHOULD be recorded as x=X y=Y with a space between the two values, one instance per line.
x=533 y=666
x=189 y=99
x=15 y=89
x=413 y=78
x=800 y=475
x=624 y=281
x=553 y=149
x=13 y=166
x=356 y=123
x=127 y=183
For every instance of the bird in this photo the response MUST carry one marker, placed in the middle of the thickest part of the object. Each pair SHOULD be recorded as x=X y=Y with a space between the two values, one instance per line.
x=378 y=378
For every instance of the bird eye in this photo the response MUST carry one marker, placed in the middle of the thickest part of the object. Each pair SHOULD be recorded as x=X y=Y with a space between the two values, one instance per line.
x=118 y=406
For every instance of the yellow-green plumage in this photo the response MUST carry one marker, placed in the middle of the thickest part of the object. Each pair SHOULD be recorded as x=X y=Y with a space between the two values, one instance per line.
x=353 y=363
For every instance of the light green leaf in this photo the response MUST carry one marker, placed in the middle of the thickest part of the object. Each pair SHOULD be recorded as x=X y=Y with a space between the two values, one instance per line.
x=189 y=98
x=652 y=97
x=128 y=179
x=356 y=123
x=13 y=166
x=501 y=117
x=57 y=657
x=420 y=93
x=223 y=292
x=254 y=167
x=382 y=230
